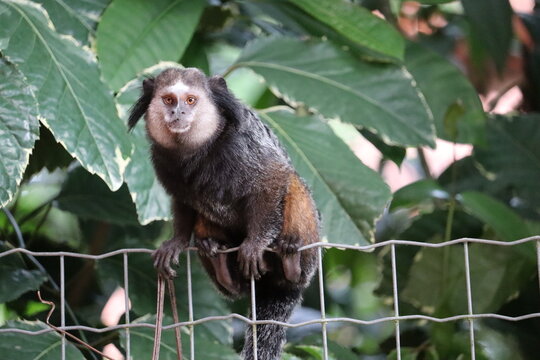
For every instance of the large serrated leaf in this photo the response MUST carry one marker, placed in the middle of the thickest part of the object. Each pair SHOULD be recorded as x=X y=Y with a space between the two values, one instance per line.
x=19 y=128
x=150 y=198
x=445 y=87
x=142 y=342
x=348 y=194
x=357 y=24
x=135 y=34
x=73 y=102
x=15 y=346
x=77 y=18
x=380 y=97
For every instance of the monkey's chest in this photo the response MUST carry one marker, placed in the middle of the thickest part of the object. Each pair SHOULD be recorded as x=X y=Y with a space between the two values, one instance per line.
x=222 y=213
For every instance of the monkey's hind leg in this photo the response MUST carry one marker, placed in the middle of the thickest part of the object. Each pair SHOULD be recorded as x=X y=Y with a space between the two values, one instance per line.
x=207 y=240
x=300 y=227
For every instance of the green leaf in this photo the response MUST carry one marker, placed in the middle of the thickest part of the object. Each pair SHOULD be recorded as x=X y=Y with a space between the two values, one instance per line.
x=446 y=89
x=436 y=281
x=135 y=34
x=19 y=128
x=48 y=346
x=15 y=279
x=418 y=192
x=497 y=275
x=434 y=2
x=337 y=85
x=349 y=195
x=499 y=345
x=291 y=19
x=315 y=352
x=150 y=198
x=88 y=197
x=73 y=103
x=506 y=223
x=142 y=342
x=286 y=356
x=195 y=55
x=512 y=157
x=491 y=21
x=77 y=18
x=405 y=354
x=357 y=24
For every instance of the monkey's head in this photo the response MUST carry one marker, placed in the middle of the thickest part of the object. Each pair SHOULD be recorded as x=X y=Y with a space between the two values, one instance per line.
x=179 y=107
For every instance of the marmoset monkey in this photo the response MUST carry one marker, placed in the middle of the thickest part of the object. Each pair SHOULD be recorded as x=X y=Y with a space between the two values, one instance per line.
x=231 y=184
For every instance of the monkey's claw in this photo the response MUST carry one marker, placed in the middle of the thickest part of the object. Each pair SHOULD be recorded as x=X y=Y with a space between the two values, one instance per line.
x=288 y=245
x=166 y=255
x=207 y=247
x=251 y=262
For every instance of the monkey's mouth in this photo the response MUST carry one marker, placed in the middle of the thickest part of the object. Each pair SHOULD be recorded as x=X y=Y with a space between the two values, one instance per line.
x=177 y=126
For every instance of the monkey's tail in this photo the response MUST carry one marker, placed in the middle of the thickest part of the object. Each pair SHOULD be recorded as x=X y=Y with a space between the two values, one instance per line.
x=276 y=305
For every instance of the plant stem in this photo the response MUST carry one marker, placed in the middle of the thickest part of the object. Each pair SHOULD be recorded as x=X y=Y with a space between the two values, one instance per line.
x=229 y=70
x=423 y=163
x=452 y=204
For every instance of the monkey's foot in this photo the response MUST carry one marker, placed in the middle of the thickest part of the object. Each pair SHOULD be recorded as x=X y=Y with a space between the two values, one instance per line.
x=207 y=247
x=223 y=275
x=250 y=260
x=166 y=255
x=287 y=248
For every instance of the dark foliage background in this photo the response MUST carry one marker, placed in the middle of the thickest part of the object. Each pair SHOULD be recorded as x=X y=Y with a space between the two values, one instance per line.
x=401 y=74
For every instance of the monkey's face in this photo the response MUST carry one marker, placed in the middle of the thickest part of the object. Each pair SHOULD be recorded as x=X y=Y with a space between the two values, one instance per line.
x=181 y=110
x=179 y=104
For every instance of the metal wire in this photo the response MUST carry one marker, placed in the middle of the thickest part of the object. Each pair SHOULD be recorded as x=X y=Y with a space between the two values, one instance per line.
x=126 y=305
x=469 y=298
x=253 y=317
x=190 y=307
x=323 y=321
x=322 y=304
x=396 y=299
x=63 y=303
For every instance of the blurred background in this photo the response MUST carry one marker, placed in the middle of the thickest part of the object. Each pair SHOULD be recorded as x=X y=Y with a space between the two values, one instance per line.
x=412 y=120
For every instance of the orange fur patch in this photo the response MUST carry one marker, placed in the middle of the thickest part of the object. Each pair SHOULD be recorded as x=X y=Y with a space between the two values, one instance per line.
x=205 y=229
x=299 y=214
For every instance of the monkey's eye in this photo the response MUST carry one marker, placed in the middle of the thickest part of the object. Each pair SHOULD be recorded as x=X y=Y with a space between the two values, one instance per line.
x=168 y=100
x=191 y=100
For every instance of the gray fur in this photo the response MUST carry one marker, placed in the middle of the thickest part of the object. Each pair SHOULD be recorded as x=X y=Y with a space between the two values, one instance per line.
x=234 y=182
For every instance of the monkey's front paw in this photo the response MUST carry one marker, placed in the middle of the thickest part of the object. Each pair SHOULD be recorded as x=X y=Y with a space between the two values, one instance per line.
x=288 y=245
x=207 y=247
x=166 y=255
x=250 y=261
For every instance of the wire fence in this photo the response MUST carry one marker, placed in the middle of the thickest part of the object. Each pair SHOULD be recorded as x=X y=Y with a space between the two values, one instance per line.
x=471 y=317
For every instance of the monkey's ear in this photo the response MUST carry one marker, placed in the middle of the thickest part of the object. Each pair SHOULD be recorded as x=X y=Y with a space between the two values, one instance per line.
x=217 y=82
x=139 y=108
